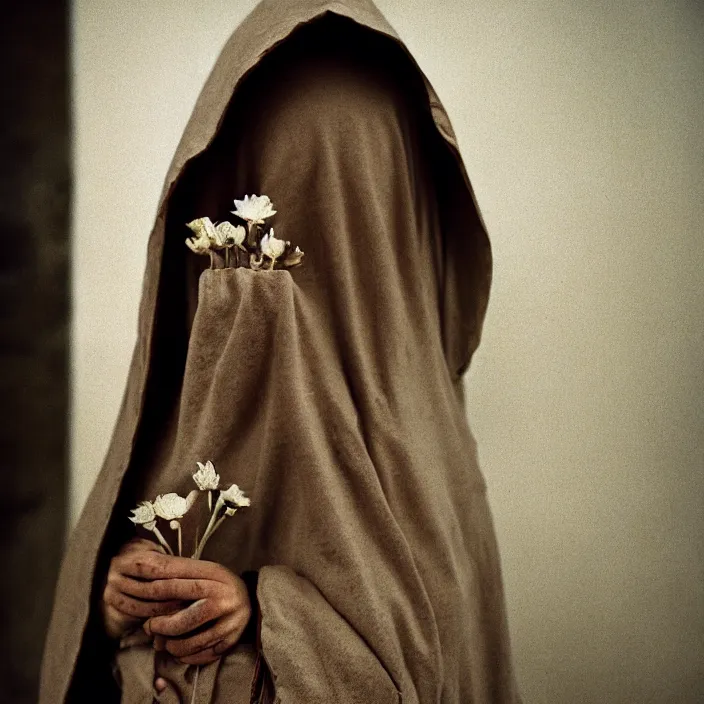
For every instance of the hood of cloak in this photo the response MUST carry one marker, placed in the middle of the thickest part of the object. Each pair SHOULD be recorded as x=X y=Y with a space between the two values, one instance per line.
x=369 y=524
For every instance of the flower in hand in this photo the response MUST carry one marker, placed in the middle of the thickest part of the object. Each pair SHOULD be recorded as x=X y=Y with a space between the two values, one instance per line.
x=209 y=626
x=172 y=506
x=206 y=478
x=234 y=497
x=122 y=611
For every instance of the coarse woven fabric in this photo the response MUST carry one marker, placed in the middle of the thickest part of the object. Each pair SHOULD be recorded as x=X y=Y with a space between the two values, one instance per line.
x=331 y=393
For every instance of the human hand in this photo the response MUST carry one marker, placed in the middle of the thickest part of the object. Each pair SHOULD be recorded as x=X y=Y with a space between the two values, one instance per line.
x=208 y=627
x=121 y=611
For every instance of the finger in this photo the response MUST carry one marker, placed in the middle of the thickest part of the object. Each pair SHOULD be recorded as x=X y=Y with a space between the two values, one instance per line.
x=143 y=609
x=225 y=626
x=227 y=642
x=169 y=589
x=160 y=684
x=154 y=565
x=134 y=547
x=188 y=619
x=164 y=589
x=211 y=654
x=136 y=608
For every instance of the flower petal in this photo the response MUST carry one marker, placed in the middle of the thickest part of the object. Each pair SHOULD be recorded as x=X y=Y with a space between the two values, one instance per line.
x=144 y=513
x=206 y=478
x=230 y=235
x=171 y=506
x=234 y=497
x=271 y=246
x=254 y=209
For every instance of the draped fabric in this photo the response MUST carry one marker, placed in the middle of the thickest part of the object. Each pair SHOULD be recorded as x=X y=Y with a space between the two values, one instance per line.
x=330 y=393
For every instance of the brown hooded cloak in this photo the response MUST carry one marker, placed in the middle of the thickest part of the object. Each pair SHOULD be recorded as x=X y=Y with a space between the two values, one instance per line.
x=331 y=393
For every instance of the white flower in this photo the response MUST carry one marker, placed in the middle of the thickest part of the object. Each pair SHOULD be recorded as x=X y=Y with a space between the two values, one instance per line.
x=207 y=236
x=271 y=246
x=200 y=244
x=172 y=506
x=293 y=258
x=230 y=235
x=254 y=209
x=143 y=514
x=234 y=497
x=206 y=478
x=210 y=236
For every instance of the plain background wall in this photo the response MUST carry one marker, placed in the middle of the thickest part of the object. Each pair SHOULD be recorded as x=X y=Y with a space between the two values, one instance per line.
x=581 y=126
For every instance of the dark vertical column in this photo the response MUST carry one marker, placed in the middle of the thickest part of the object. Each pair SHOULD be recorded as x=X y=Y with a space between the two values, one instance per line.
x=34 y=293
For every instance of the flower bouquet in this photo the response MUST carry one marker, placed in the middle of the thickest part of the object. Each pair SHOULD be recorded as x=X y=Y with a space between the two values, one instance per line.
x=171 y=508
x=246 y=247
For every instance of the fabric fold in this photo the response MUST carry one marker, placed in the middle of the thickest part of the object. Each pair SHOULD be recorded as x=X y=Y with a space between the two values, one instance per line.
x=329 y=393
x=315 y=655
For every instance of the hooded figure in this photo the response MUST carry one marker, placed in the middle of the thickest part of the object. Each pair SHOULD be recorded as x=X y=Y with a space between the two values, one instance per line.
x=331 y=392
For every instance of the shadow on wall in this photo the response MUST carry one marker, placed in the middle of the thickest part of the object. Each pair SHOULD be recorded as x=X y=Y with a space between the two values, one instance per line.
x=34 y=285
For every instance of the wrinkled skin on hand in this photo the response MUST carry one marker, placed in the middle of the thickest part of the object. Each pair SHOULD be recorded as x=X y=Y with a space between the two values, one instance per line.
x=195 y=609
x=122 y=612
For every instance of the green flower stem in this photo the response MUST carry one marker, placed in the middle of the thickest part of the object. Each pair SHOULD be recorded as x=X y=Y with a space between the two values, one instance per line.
x=227 y=257
x=180 y=542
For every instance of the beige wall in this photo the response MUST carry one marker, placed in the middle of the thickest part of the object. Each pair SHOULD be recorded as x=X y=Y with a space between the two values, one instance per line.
x=581 y=125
